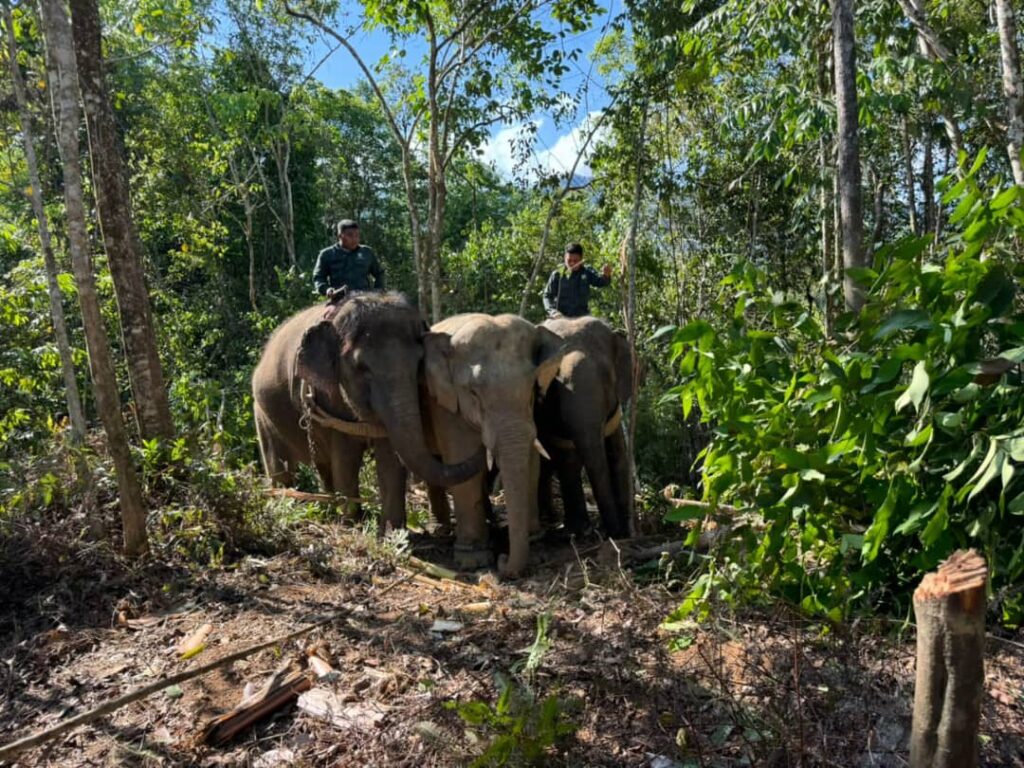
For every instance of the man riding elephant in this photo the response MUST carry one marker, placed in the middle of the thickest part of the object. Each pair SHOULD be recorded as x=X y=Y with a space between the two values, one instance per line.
x=347 y=264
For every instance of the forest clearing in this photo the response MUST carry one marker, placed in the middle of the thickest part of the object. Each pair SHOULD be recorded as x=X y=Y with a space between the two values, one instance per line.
x=746 y=688
x=512 y=382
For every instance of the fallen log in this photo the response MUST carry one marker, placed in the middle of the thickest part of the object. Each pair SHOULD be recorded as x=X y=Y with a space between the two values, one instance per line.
x=275 y=695
x=322 y=498
x=949 y=607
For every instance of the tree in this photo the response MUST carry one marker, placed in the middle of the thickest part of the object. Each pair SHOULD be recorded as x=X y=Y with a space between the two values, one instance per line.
x=848 y=150
x=479 y=63
x=60 y=51
x=1013 y=88
x=74 y=401
x=120 y=238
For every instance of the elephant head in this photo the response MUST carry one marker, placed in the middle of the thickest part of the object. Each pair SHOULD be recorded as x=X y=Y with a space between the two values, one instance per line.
x=365 y=353
x=488 y=371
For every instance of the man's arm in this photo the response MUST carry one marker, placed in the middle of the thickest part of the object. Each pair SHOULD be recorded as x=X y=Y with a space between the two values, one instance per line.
x=550 y=295
x=595 y=279
x=321 y=278
x=377 y=270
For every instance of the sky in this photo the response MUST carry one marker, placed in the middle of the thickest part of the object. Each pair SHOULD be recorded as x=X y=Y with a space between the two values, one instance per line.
x=555 y=147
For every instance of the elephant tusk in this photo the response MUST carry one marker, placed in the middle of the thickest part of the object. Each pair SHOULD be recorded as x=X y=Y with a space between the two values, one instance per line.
x=540 y=449
x=490 y=461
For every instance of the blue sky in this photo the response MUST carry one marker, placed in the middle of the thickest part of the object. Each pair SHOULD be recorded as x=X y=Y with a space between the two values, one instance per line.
x=555 y=147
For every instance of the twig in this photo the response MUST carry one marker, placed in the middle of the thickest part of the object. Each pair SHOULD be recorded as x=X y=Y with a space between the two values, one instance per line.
x=10 y=750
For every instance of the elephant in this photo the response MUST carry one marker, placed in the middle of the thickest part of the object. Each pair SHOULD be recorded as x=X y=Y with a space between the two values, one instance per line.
x=579 y=424
x=336 y=379
x=482 y=375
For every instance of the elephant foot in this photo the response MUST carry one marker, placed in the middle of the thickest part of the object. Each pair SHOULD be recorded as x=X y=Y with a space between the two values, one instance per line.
x=507 y=572
x=470 y=558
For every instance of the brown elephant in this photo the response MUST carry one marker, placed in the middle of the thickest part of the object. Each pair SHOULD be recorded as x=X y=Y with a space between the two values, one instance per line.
x=482 y=374
x=339 y=378
x=579 y=424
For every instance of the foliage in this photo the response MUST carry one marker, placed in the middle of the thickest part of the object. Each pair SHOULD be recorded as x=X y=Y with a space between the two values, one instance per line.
x=521 y=730
x=870 y=459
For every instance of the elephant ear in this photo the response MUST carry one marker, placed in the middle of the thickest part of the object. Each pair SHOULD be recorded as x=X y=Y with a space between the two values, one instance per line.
x=317 y=360
x=547 y=356
x=437 y=354
x=623 y=367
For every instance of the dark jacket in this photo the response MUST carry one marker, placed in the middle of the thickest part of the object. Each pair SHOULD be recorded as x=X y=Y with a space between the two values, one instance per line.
x=569 y=292
x=336 y=267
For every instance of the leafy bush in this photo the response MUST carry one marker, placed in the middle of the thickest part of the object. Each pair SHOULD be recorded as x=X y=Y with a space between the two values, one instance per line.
x=521 y=730
x=871 y=456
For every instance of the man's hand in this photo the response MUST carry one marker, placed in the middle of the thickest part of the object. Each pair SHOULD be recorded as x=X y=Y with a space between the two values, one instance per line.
x=330 y=292
x=607 y=271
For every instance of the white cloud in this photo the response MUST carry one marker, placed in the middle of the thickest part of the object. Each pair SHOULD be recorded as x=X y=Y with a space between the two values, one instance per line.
x=504 y=150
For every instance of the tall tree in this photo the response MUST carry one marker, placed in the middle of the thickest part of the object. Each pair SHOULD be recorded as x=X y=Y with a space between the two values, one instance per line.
x=64 y=93
x=848 y=159
x=479 y=61
x=1013 y=89
x=60 y=331
x=120 y=237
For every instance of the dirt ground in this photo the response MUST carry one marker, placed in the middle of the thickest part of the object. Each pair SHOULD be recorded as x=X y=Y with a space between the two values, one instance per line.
x=767 y=689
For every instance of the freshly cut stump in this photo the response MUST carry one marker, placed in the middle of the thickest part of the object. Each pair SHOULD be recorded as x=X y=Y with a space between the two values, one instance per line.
x=950 y=609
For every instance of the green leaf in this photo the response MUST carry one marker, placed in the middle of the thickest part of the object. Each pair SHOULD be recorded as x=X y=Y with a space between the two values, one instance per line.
x=1004 y=198
x=901 y=320
x=918 y=388
x=879 y=528
x=663 y=331
x=693 y=331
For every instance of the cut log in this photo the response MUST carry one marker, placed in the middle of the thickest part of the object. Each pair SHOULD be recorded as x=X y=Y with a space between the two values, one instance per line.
x=949 y=606
x=277 y=694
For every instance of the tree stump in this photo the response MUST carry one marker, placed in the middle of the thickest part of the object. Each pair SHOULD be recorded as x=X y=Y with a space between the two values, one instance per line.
x=950 y=609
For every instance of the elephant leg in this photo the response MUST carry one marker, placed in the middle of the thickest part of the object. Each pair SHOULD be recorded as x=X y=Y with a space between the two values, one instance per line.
x=592 y=450
x=440 y=508
x=346 y=459
x=458 y=442
x=545 y=504
x=622 y=482
x=570 y=479
x=391 y=479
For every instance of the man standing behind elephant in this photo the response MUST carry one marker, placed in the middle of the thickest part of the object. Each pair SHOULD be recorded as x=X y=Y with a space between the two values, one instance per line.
x=567 y=293
x=347 y=264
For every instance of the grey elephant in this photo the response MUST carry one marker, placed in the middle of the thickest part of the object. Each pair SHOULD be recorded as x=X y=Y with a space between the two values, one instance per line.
x=579 y=424
x=483 y=373
x=337 y=379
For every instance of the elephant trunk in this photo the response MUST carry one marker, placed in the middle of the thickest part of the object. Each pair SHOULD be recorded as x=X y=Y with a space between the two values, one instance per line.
x=519 y=464
x=402 y=420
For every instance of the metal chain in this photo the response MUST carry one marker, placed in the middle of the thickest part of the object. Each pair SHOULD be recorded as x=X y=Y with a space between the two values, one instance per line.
x=306 y=423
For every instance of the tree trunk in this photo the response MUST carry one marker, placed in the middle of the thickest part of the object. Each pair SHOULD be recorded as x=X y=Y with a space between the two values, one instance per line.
x=949 y=607
x=282 y=159
x=1013 y=89
x=928 y=184
x=120 y=238
x=931 y=48
x=74 y=401
x=631 y=305
x=908 y=176
x=878 y=209
x=849 y=151
x=57 y=34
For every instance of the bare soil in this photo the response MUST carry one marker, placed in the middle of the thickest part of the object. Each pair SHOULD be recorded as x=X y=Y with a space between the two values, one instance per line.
x=758 y=689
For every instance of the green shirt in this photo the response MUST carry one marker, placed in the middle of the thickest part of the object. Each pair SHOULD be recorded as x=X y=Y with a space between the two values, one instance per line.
x=337 y=267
